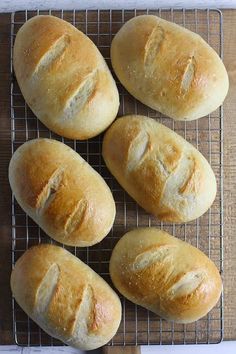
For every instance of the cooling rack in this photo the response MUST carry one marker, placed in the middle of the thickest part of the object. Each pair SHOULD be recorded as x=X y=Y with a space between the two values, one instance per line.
x=138 y=325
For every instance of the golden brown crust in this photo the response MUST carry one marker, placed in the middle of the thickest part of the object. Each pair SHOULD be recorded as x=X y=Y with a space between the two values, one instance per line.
x=169 y=68
x=61 y=192
x=165 y=174
x=166 y=275
x=80 y=309
x=64 y=78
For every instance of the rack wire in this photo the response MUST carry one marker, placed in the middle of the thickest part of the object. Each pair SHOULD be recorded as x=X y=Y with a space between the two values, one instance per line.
x=138 y=325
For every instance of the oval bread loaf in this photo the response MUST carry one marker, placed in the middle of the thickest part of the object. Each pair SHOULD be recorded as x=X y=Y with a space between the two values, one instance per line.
x=165 y=275
x=61 y=192
x=169 y=68
x=165 y=174
x=65 y=297
x=64 y=78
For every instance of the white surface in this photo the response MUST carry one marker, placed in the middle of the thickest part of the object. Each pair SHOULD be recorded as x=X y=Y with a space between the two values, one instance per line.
x=13 y=5
x=224 y=347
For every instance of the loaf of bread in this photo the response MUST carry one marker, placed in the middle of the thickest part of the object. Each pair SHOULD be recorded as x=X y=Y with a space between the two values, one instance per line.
x=61 y=192
x=165 y=174
x=65 y=297
x=169 y=68
x=64 y=78
x=165 y=275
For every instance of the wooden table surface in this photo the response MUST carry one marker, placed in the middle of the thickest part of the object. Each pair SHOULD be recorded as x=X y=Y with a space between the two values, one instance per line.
x=229 y=17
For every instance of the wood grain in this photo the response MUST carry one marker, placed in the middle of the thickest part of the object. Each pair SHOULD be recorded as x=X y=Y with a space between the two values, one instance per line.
x=229 y=184
x=5 y=205
x=121 y=350
x=230 y=178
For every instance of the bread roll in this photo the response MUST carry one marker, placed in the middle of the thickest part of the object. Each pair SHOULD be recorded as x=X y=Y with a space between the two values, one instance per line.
x=61 y=192
x=165 y=275
x=64 y=78
x=65 y=297
x=169 y=68
x=165 y=174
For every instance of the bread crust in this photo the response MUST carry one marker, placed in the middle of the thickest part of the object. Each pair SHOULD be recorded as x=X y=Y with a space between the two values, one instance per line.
x=169 y=68
x=65 y=297
x=165 y=275
x=164 y=173
x=61 y=192
x=64 y=78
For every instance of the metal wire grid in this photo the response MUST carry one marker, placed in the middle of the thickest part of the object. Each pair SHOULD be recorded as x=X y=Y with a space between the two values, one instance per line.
x=138 y=325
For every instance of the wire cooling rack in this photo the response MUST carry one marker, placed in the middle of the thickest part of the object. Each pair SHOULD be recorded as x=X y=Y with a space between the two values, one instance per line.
x=138 y=325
